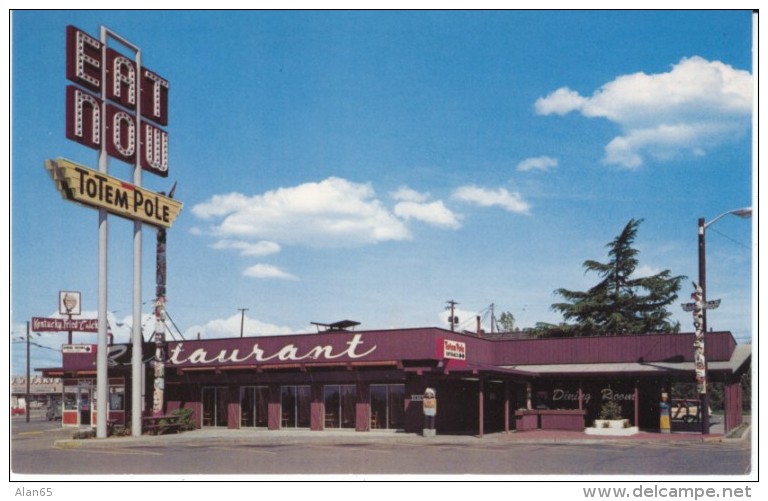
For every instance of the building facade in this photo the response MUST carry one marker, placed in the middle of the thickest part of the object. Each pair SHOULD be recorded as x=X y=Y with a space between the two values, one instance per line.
x=375 y=379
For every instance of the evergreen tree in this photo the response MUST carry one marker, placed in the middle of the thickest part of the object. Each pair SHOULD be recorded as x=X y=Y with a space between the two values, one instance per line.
x=619 y=303
x=506 y=322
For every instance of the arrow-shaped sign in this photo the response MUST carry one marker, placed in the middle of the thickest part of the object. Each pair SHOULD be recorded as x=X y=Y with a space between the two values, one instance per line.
x=83 y=185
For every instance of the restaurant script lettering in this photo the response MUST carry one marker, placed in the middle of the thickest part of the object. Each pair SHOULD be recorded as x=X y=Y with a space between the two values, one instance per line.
x=606 y=394
x=290 y=352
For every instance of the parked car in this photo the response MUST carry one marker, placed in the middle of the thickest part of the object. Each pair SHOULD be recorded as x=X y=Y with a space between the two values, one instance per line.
x=686 y=410
x=54 y=411
x=17 y=411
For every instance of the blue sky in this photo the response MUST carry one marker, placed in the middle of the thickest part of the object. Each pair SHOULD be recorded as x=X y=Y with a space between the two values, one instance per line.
x=374 y=165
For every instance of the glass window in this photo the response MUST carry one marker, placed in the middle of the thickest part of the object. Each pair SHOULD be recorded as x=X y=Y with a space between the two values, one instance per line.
x=70 y=398
x=116 y=398
x=340 y=402
x=254 y=401
x=388 y=406
x=215 y=412
x=295 y=404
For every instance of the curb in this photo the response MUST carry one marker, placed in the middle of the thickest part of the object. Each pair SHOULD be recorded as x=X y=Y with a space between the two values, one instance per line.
x=233 y=437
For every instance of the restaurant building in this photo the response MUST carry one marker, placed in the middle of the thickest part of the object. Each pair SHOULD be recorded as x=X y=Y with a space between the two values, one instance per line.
x=342 y=378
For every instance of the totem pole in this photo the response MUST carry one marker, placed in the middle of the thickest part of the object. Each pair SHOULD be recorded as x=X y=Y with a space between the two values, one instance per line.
x=158 y=397
x=699 y=358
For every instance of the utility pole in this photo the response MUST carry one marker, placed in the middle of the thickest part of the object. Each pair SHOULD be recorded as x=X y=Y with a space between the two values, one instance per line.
x=242 y=319
x=493 y=318
x=28 y=408
x=699 y=307
x=452 y=319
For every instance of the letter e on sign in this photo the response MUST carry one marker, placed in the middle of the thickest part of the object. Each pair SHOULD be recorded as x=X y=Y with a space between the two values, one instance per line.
x=83 y=59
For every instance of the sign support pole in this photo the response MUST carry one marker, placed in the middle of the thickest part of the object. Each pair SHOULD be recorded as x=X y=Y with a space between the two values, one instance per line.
x=102 y=382
x=137 y=363
x=87 y=117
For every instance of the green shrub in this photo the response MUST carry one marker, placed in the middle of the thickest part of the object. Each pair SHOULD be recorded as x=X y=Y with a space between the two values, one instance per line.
x=185 y=418
x=610 y=410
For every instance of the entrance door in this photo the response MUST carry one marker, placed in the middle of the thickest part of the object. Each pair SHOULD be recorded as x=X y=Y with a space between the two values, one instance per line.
x=340 y=400
x=84 y=405
x=295 y=403
x=254 y=402
x=215 y=399
x=387 y=406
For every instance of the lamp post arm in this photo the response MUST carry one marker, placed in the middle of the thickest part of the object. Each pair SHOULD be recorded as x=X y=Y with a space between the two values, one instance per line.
x=743 y=212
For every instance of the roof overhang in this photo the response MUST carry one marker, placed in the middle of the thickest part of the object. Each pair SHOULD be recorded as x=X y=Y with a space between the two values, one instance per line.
x=739 y=361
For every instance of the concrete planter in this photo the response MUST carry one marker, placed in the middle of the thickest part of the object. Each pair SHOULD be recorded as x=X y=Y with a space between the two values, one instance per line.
x=612 y=427
x=611 y=423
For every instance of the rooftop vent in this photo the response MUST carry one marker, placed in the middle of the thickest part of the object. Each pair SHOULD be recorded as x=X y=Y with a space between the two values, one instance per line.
x=341 y=325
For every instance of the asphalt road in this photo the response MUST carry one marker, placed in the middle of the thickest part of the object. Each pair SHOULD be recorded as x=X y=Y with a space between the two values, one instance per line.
x=33 y=452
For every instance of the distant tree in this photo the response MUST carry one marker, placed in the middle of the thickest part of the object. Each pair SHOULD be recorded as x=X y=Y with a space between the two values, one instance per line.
x=506 y=322
x=620 y=303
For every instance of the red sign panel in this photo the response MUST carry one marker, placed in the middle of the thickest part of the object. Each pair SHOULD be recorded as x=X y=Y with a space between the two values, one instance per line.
x=453 y=353
x=65 y=324
x=123 y=89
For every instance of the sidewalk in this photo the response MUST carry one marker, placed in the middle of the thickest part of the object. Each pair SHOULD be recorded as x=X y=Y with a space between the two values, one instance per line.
x=224 y=436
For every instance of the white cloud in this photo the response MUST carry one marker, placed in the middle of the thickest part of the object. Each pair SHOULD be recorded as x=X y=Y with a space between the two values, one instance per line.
x=560 y=102
x=413 y=205
x=267 y=271
x=695 y=106
x=406 y=194
x=230 y=327
x=261 y=248
x=435 y=213
x=542 y=163
x=331 y=213
x=645 y=270
x=512 y=202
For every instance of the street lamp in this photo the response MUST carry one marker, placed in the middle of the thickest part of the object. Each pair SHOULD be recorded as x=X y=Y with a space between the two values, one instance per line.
x=29 y=407
x=703 y=225
x=27 y=393
x=743 y=213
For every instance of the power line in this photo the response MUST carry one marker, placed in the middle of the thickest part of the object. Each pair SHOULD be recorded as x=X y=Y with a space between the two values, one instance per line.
x=174 y=325
x=729 y=238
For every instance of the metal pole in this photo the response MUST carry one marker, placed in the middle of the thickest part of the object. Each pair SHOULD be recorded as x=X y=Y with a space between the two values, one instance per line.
x=703 y=268
x=480 y=405
x=101 y=347
x=102 y=376
x=137 y=364
x=704 y=392
x=28 y=407
x=69 y=333
x=242 y=319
